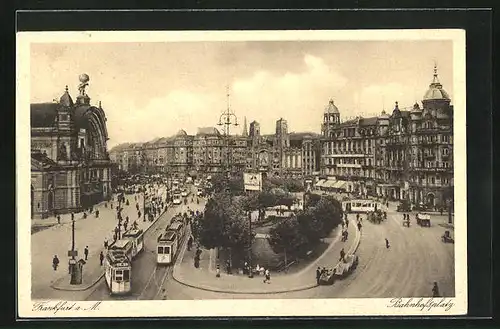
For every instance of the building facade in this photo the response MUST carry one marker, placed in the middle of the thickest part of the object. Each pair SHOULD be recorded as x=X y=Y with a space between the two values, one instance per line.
x=283 y=154
x=405 y=155
x=70 y=164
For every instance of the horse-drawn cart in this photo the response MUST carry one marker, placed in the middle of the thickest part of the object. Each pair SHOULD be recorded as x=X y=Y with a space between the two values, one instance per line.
x=446 y=237
x=424 y=219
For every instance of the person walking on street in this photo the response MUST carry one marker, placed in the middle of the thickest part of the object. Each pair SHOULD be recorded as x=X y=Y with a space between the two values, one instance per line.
x=59 y=219
x=435 y=290
x=86 y=252
x=359 y=226
x=387 y=245
x=97 y=213
x=72 y=216
x=101 y=258
x=55 y=262
x=105 y=243
x=342 y=255
x=268 y=276
x=318 y=274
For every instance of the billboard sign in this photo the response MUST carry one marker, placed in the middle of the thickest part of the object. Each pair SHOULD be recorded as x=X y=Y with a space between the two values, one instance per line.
x=253 y=182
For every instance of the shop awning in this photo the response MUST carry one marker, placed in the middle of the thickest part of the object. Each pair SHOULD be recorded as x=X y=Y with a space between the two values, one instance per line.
x=341 y=184
x=320 y=183
x=330 y=183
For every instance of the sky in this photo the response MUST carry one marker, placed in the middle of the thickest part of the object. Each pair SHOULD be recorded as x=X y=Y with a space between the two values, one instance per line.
x=151 y=90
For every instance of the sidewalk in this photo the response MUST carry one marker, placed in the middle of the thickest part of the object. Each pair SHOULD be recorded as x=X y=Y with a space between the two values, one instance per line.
x=90 y=232
x=204 y=277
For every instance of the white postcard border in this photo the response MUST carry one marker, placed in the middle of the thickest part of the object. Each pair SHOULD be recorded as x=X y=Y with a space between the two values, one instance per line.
x=264 y=307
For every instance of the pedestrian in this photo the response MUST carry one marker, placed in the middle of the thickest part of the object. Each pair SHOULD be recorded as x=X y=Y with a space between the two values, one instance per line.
x=111 y=205
x=346 y=224
x=58 y=219
x=217 y=271
x=268 y=276
x=84 y=215
x=387 y=245
x=125 y=226
x=359 y=226
x=137 y=206
x=318 y=274
x=86 y=252
x=101 y=258
x=139 y=215
x=435 y=290
x=342 y=255
x=72 y=216
x=97 y=213
x=105 y=243
x=55 y=262
x=106 y=205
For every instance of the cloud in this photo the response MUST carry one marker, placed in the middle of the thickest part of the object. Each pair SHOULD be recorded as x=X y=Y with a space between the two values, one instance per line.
x=265 y=97
x=161 y=116
x=383 y=96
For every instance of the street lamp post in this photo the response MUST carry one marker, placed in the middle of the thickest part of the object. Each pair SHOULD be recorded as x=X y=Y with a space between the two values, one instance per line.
x=228 y=119
x=73 y=253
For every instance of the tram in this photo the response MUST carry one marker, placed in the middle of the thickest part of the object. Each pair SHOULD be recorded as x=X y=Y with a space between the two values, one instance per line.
x=361 y=206
x=170 y=241
x=117 y=270
x=137 y=239
x=177 y=198
x=123 y=245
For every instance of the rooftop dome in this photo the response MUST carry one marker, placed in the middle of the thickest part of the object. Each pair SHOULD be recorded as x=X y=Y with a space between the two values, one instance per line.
x=384 y=115
x=436 y=91
x=331 y=108
x=416 y=108
x=65 y=99
x=181 y=133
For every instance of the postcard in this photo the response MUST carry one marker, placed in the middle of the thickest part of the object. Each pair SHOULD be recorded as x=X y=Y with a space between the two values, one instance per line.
x=241 y=173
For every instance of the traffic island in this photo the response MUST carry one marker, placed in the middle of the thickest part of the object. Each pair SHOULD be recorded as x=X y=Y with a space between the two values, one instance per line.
x=205 y=276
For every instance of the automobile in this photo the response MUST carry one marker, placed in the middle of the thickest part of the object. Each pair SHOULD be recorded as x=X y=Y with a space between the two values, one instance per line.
x=199 y=193
x=404 y=206
x=184 y=193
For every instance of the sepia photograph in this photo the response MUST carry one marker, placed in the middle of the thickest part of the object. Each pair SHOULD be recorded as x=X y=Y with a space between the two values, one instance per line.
x=270 y=173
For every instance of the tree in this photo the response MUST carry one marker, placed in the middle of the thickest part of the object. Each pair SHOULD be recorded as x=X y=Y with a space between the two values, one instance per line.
x=328 y=211
x=287 y=238
x=224 y=224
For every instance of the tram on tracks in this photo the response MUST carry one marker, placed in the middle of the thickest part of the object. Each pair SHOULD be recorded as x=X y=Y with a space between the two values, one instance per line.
x=170 y=241
x=360 y=206
x=117 y=272
x=137 y=239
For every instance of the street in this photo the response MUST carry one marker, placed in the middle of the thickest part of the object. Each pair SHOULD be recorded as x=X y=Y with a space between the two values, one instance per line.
x=147 y=278
x=416 y=259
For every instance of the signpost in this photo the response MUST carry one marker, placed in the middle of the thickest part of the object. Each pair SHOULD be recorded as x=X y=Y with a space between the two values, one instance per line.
x=252 y=182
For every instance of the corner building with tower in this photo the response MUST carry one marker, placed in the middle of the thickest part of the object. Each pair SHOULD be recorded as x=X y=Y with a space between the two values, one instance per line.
x=70 y=164
x=406 y=155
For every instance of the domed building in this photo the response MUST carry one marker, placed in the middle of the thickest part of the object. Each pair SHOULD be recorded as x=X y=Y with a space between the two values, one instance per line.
x=407 y=155
x=70 y=164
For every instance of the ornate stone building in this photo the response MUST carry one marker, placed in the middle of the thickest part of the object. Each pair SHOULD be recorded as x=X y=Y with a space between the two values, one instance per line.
x=405 y=155
x=282 y=154
x=70 y=165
